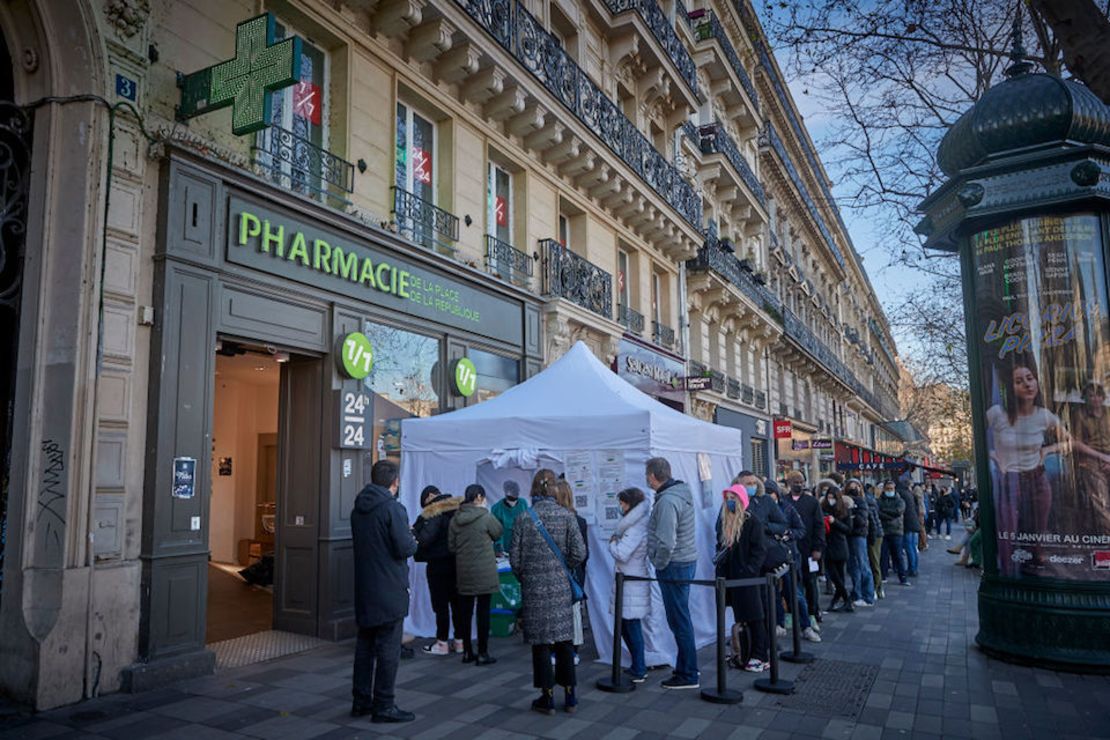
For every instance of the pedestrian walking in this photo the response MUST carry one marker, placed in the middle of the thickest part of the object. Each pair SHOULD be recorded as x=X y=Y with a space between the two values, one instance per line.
x=506 y=511
x=547 y=545
x=673 y=553
x=470 y=537
x=382 y=544
x=628 y=546
x=741 y=548
x=430 y=531
x=838 y=519
x=874 y=540
x=892 y=511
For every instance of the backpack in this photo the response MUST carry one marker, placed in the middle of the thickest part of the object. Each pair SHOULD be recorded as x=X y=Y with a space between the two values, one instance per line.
x=741 y=645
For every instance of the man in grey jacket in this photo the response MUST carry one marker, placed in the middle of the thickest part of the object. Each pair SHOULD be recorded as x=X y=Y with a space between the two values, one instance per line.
x=672 y=551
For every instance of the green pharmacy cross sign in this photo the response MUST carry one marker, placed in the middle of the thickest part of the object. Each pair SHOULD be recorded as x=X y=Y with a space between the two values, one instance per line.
x=246 y=82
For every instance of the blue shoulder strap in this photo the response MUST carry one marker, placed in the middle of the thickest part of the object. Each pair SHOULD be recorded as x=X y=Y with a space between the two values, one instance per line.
x=554 y=548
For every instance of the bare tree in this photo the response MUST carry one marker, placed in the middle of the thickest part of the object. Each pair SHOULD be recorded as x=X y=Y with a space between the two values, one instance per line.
x=893 y=76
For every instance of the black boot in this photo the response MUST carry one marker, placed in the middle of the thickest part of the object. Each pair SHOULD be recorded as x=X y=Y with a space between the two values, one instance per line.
x=468 y=652
x=570 y=700
x=392 y=715
x=545 y=704
x=485 y=659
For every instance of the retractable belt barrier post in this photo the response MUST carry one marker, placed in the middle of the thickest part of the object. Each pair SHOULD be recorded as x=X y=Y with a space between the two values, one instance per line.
x=616 y=682
x=773 y=685
x=796 y=655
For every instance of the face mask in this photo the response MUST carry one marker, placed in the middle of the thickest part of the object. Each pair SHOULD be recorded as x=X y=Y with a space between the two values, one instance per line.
x=731 y=505
x=888 y=494
x=751 y=490
x=831 y=501
x=796 y=489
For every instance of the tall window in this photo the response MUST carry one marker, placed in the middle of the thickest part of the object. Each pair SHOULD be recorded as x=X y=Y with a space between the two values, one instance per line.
x=656 y=298
x=564 y=230
x=622 y=278
x=415 y=167
x=499 y=193
x=298 y=121
x=759 y=457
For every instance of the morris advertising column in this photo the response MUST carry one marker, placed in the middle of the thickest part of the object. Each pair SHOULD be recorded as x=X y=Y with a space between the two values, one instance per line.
x=1027 y=207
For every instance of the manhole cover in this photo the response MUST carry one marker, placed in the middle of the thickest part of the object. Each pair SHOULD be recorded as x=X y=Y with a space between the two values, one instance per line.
x=831 y=688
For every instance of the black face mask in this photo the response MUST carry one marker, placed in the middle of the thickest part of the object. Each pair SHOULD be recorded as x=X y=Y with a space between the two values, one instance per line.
x=796 y=489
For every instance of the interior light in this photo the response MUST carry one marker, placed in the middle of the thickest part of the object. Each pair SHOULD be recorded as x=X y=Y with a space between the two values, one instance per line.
x=281 y=357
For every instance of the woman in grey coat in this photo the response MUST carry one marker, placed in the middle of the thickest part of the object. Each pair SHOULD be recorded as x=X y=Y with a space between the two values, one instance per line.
x=545 y=590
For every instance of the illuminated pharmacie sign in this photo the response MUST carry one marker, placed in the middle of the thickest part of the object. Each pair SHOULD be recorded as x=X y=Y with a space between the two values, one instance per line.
x=247 y=81
x=263 y=238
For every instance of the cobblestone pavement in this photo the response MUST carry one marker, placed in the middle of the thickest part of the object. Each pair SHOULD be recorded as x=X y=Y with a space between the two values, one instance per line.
x=917 y=646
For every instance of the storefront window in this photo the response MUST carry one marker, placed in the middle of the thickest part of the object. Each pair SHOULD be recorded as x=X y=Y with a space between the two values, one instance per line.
x=401 y=383
x=496 y=374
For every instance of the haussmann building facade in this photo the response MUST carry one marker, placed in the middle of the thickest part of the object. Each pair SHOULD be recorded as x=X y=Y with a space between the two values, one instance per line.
x=216 y=322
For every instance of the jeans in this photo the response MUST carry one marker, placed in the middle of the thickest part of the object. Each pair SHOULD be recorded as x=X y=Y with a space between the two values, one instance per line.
x=802 y=617
x=909 y=545
x=859 y=570
x=466 y=608
x=544 y=675
x=892 y=551
x=632 y=630
x=676 y=602
x=377 y=655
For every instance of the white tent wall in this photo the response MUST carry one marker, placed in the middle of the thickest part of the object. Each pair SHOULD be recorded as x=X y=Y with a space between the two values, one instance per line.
x=453 y=450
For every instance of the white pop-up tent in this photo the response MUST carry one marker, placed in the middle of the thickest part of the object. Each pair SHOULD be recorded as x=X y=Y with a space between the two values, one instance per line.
x=579 y=418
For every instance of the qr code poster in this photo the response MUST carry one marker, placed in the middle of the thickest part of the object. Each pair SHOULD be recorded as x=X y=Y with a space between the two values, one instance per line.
x=610 y=478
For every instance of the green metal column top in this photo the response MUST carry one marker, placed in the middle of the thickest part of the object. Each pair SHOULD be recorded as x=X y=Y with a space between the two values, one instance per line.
x=247 y=81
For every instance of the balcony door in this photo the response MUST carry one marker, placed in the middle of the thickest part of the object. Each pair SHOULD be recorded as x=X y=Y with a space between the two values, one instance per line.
x=499 y=218
x=416 y=171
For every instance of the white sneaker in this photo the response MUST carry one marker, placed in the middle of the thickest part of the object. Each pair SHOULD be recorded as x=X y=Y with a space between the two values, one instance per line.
x=860 y=602
x=811 y=635
x=439 y=647
x=780 y=631
x=755 y=666
x=947 y=536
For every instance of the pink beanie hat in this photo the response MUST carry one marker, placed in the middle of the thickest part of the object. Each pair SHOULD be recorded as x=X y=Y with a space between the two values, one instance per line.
x=740 y=492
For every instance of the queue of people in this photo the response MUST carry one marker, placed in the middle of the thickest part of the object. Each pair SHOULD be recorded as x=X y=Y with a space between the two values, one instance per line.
x=838 y=527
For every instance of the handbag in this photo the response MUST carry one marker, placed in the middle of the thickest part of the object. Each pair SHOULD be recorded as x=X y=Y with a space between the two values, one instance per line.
x=776 y=556
x=576 y=592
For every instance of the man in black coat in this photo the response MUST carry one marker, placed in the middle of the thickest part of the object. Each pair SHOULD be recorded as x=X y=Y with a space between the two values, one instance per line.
x=383 y=544
x=813 y=544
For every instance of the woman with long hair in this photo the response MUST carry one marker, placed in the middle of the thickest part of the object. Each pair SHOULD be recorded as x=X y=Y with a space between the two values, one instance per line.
x=470 y=537
x=564 y=496
x=741 y=550
x=1019 y=430
x=838 y=515
x=546 y=613
x=431 y=532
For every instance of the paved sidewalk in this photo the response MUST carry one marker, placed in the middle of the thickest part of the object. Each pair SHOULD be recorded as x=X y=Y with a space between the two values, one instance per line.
x=915 y=651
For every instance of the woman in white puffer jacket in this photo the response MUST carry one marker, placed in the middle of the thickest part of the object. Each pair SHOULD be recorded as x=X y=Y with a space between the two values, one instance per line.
x=628 y=546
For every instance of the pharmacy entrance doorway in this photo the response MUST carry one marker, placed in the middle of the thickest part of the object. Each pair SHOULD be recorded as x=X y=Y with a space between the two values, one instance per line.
x=261 y=569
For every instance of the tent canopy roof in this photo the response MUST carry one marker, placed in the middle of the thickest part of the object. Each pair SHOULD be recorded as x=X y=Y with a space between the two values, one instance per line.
x=576 y=403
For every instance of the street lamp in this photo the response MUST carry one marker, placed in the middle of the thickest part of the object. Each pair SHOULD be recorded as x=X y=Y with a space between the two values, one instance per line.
x=1027 y=208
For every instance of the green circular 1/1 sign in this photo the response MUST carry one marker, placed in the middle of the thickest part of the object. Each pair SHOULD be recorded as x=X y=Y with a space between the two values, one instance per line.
x=466 y=377
x=356 y=356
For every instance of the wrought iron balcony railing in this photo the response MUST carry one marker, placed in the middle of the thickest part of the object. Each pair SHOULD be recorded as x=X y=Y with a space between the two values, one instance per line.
x=507 y=261
x=760 y=400
x=664 y=33
x=423 y=222
x=712 y=257
x=630 y=318
x=717 y=381
x=566 y=275
x=709 y=27
x=733 y=390
x=296 y=164
x=542 y=55
x=714 y=139
x=662 y=335
x=747 y=394
x=784 y=410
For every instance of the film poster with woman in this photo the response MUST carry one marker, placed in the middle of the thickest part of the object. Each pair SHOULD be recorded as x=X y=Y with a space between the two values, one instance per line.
x=1044 y=344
